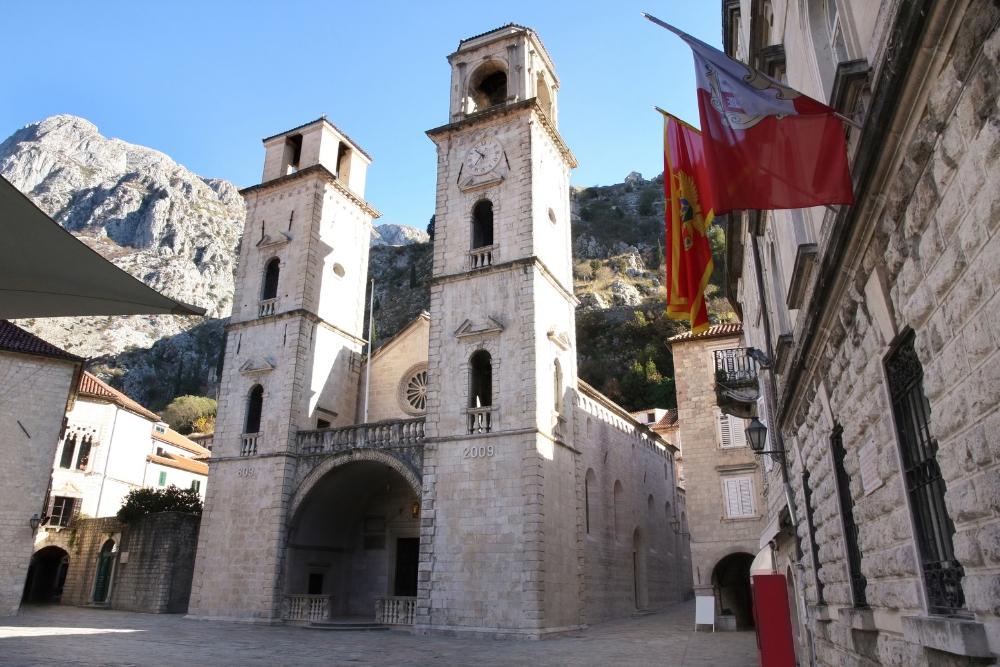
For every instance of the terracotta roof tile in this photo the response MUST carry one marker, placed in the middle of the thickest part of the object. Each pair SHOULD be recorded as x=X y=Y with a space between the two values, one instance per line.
x=15 y=339
x=172 y=437
x=714 y=331
x=91 y=386
x=179 y=462
x=668 y=419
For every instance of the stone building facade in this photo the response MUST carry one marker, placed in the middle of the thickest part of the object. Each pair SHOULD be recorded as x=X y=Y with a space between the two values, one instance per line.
x=145 y=566
x=489 y=492
x=37 y=386
x=879 y=321
x=721 y=476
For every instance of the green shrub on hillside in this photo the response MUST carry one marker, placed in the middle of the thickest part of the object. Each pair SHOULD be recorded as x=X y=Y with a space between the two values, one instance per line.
x=187 y=413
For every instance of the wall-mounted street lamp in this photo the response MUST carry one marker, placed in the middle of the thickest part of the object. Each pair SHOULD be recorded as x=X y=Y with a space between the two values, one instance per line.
x=415 y=510
x=34 y=522
x=757 y=437
x=676 y=525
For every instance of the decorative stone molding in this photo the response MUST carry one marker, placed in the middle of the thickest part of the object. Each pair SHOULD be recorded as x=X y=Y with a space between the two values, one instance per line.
x=255 y=367
x=468 y=330
x=268 y=242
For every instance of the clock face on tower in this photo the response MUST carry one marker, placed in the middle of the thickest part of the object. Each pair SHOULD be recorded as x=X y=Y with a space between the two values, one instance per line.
x=483 y=157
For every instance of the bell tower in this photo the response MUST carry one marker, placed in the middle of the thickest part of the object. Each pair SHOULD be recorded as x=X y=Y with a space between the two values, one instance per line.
x=501 y=536
x=292 y=358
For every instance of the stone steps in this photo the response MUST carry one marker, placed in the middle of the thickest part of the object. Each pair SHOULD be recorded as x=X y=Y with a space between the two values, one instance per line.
x=346 y=626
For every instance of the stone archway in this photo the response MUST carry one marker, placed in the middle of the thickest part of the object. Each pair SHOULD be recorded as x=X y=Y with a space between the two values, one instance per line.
x=354 y=534
x=731 y=580
x=46 y=575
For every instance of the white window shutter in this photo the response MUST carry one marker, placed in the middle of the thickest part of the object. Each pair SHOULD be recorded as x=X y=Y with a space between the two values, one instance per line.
x=746 y=497
x=732 y=497
x=725 y=431
x=739 y=429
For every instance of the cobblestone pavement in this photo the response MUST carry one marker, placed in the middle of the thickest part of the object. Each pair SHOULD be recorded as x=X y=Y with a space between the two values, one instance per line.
x=57 y=635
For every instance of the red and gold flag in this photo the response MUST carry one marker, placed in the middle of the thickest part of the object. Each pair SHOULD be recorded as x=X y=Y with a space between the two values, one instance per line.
x=689 y=214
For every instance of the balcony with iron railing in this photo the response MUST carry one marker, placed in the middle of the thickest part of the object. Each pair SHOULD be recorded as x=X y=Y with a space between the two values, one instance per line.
x=737 y=385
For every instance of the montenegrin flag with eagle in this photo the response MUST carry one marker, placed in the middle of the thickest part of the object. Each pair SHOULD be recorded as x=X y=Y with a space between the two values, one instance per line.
x=767 y=146
x=689 y=214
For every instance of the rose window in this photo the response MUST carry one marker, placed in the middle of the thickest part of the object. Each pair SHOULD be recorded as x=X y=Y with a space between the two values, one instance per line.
x=412 y=394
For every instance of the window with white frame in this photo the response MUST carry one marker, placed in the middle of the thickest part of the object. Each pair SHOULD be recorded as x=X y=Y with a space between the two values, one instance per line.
x=731 y=431
x=738 y=492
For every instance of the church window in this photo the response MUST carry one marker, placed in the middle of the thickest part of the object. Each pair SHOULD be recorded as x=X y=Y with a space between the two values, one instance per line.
x=544 y=97
x=270 y=289
x=416 y=390
x=482 y=224
x=293 y=149
x=488 y=86
x=342 y=152
x=481 y=381
x=255 y=405
x=83 y=458
x=69 y=446
x=619 y=510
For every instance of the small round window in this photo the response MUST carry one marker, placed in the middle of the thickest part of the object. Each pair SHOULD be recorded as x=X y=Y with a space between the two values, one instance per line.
x=552 y=216
x=339 y=270
x=412 y=394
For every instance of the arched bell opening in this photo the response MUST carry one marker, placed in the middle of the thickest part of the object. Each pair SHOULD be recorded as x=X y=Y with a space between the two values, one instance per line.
x=731 y=580
x=46 y=575
x=354 y=537
x=488 y=86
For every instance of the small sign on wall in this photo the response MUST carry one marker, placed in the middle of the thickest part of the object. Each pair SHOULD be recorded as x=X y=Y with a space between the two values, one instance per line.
x=868 y=456
x=123 y=557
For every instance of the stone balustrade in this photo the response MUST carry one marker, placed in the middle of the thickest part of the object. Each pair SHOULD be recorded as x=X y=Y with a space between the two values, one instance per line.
x=266 y=307
x=485 y=256
x=307 y=607
x=248 y=444
x=480 y=420
x=397 y=610
x=388 y=434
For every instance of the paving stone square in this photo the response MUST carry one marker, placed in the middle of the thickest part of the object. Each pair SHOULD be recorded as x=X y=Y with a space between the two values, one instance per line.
x=61 y=635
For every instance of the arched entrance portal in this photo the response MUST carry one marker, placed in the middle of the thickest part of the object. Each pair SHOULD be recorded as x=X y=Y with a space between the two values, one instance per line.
x=731 y=579
x=354 y=537
x=46 y=575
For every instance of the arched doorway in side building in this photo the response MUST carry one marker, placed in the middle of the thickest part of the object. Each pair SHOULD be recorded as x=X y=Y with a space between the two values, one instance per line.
x=105 y=571
x=46 y=575
x=731 y=579
x=354 y=543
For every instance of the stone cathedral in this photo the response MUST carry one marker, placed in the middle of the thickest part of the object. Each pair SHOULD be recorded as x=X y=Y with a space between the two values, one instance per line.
x=489 y=491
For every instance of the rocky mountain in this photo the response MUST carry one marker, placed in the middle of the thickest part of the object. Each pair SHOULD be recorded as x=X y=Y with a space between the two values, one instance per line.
x=389 y=234
x=171 y=228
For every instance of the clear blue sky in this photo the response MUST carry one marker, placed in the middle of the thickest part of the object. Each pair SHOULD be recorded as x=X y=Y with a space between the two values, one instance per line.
x=205 y=81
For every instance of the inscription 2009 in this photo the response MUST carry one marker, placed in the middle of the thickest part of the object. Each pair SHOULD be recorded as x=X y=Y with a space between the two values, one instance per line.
x=478 y=452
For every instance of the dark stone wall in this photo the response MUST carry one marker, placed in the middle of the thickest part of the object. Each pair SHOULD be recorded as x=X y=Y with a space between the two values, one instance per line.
x=155 y=575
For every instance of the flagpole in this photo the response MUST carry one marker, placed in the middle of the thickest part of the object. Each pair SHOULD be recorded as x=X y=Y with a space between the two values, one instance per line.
x=371 y=340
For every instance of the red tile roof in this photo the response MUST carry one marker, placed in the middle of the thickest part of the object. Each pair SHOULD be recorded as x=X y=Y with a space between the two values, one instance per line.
x=714 y=331
x=15 y=339
x=91 y=386
x=668 y=420
x=172 y=437
x=179 y=462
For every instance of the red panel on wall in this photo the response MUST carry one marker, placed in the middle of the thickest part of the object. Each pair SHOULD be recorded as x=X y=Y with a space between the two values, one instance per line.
x=775 y=646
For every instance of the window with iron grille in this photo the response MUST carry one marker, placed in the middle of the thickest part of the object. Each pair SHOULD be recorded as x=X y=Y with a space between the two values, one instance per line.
x=858 y=581
x=942 y=574
x=807 y=492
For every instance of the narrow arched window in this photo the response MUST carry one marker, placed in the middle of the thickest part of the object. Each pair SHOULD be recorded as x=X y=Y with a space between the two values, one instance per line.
x=255 y=405
x=589 y=480
x=557 y=378
x=482 y=224
x=481 y=380
x=619 y=508
x=270 y=290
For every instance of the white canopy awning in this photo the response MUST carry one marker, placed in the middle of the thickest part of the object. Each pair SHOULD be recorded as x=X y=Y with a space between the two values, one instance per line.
x=47 y=272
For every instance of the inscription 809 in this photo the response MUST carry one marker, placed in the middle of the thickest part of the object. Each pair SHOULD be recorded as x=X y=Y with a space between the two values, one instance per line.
x=478 y=452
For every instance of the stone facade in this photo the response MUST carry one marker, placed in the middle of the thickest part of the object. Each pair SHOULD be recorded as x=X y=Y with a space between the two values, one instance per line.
x=153 y=562
x=504 y=500
x=717 y=531
x=848 y=291
x=36 y=389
